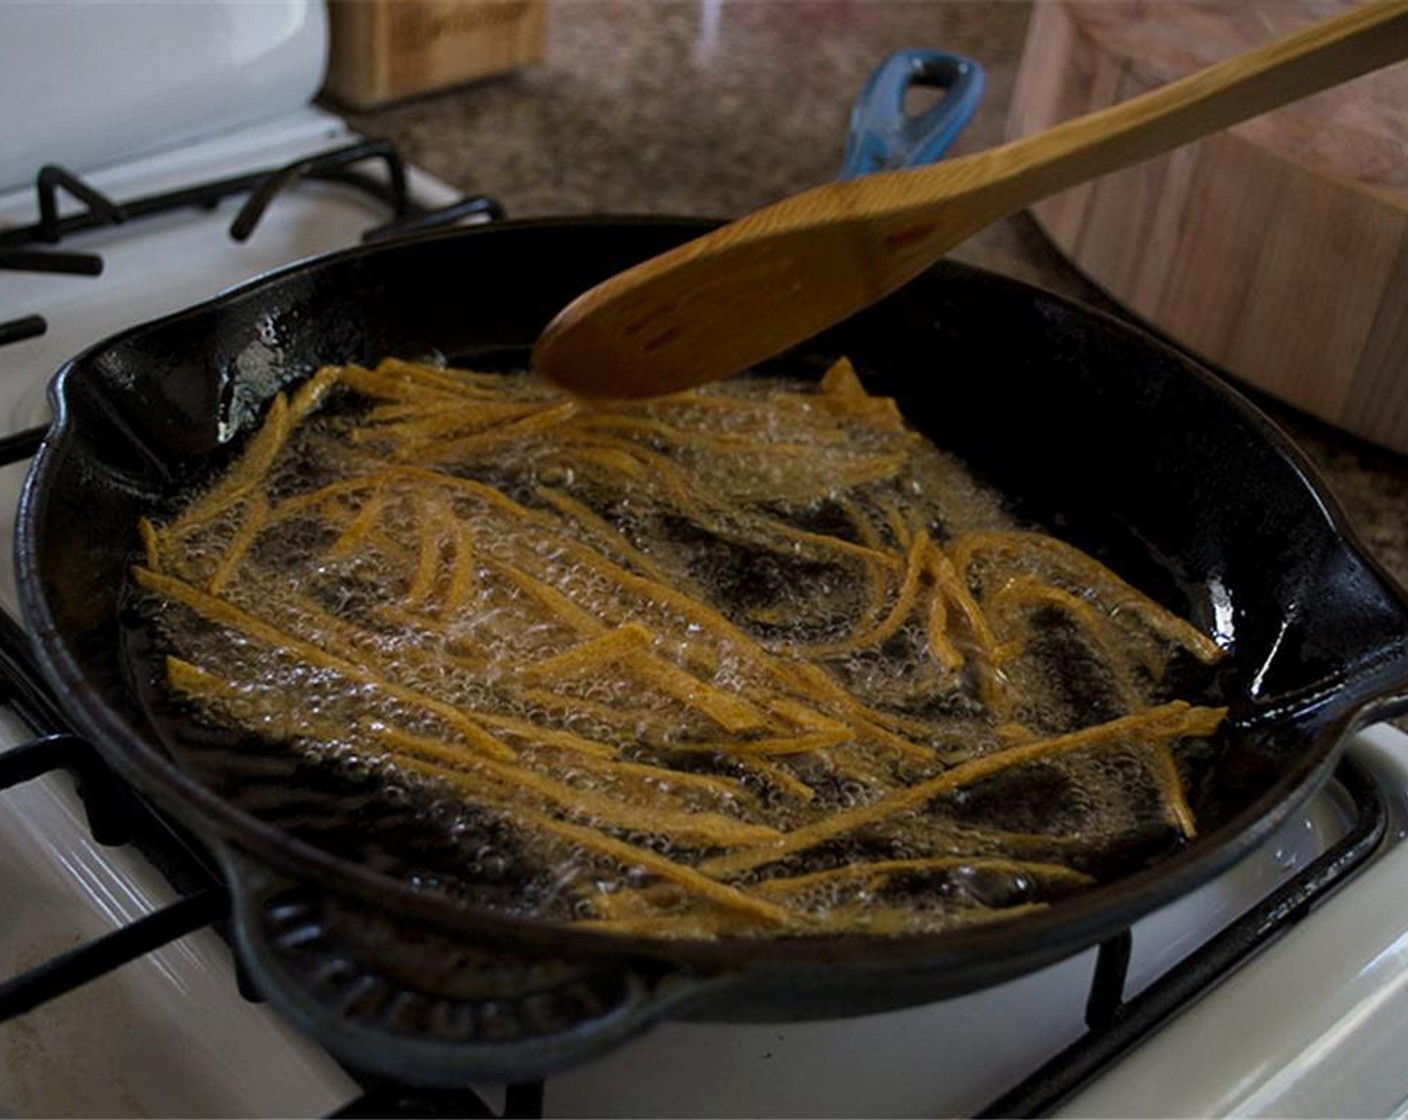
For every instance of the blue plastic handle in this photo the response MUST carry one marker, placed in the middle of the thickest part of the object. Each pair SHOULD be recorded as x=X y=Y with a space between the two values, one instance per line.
x=884 y=137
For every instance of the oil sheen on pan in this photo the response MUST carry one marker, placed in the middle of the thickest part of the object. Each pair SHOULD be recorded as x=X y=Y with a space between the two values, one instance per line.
x=753 y=660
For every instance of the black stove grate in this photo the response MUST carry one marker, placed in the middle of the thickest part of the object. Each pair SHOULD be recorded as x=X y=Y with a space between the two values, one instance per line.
x=17 y=330
x=262 y=186
x=340 y=165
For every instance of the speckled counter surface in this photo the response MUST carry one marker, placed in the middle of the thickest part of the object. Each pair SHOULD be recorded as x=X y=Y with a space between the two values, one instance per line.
x=656 y=106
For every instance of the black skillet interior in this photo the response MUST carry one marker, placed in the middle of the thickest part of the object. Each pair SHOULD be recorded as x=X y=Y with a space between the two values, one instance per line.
x=1106 y=437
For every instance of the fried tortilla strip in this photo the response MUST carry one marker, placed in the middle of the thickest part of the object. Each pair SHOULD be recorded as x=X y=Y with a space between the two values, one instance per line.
x=916 y=566
x=941 y=648
x=630 y=645
x=256 y=515
x=433 y=450
x=1111 y=589
x=882 y=870
x=1026 y=591
x=151 y=547
x=431 y=536
x=227 y=614
x=467 y=770
x=427 y=756
x=1166 y=776
x=793 y=744
x=603 y=530
x=414 y=381
x=462 y=572
x=249 y=470
x=631 y=856
x=1174 y=720
x=361 y=526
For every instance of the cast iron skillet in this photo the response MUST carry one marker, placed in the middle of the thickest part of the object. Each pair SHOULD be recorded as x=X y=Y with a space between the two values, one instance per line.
x=1103 y=434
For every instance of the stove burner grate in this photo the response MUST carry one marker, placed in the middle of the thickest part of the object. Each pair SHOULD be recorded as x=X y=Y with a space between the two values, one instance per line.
x=335 y=166
x=17 y=330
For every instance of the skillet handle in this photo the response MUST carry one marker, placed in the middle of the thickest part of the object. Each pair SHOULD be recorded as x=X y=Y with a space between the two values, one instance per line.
x=411 y=1004
x=884 y=137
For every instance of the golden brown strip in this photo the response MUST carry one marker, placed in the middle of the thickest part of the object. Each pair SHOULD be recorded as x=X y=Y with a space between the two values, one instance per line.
x=1173 y=720
x=311 y=394
x=589 y=519
x=468 y=382
x=1171 y=786
x=841 y=380
x=898 y=525
x=680 y=826
x=1089 y=571
x=591 y=654
x=662 y=778
x=940 y=647
x=227 y=614
x=441 y=451
x=249 y=469
x=864 y=527
x=396 y=380
x=915 y=568
x=361 y=525
x=612 y=458
x=431 y=539
x=462 y=571
x=1026 y=590
x=255 y=517
x=881 y=870
x=558 y=605
x=707 y=511
x=450 y=762
x=779 y=777
x=793 y=744
x=692 y=880
x=629 y=645
x=946 y=577
x=719 y=441
x=399 y=422
x=537 y=736
x=729 y=710
x=150 y=547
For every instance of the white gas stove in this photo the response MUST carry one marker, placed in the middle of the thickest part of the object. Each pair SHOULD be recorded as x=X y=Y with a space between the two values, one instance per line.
x=1313 y=1024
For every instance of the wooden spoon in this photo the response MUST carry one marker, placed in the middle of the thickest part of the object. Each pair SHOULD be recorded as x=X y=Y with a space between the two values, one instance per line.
x=749 y=290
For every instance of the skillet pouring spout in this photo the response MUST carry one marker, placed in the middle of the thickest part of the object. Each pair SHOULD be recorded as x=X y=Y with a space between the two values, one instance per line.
x=1091 y=428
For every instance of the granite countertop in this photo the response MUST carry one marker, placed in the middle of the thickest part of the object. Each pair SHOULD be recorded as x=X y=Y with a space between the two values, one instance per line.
x=659 y=106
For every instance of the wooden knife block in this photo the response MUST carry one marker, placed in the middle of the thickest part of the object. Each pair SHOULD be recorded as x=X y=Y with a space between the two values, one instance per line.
x=384 y=50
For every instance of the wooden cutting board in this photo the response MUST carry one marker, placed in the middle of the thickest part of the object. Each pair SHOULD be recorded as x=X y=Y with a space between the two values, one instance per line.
x=1277 y=249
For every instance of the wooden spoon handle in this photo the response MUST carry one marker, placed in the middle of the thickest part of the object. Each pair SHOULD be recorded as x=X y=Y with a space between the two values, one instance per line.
x=1226 y=93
